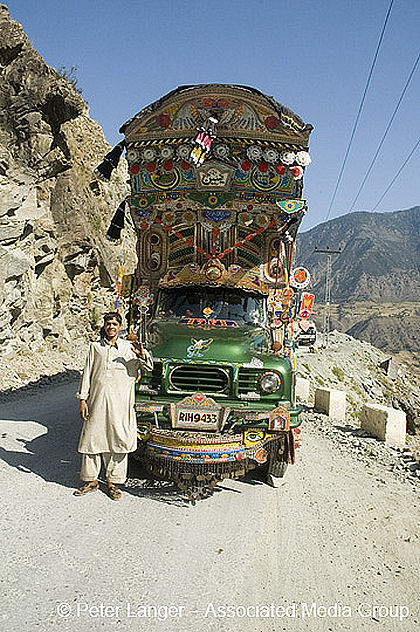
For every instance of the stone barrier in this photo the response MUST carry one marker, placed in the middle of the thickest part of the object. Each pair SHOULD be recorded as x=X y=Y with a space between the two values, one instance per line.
x=332 y=402
x=302 y=389
x=384 y=422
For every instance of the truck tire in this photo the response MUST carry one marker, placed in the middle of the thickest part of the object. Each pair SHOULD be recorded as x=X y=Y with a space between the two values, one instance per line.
x=277 y=469
x=275 y=474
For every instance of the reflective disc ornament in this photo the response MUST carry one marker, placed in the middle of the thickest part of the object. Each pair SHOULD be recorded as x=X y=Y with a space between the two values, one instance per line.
x=270 y=155
x=297 y=172
x=132 y=155
x=300 y=278
x=166 y=152
x=221 y=151
x=149 y=154
x=254 y=152
x=304 y=324
x=303 y=158
x=288 y=157
x=183 y=151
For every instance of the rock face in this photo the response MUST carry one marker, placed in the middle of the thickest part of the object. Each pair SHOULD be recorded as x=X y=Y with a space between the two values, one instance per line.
x=54 y=258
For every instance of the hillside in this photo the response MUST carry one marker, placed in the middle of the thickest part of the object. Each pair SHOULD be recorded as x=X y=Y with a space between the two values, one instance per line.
x=55 y=263
x=354 y=366
x=375 y=284
x=380 y=258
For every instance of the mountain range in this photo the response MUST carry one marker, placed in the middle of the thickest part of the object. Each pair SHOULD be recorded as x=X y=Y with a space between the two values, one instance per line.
x=375 y=280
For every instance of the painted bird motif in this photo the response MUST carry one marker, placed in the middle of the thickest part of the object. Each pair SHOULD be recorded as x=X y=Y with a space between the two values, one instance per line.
x=198 y=347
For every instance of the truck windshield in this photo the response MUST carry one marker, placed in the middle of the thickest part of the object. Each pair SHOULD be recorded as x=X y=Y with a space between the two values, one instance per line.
x=224 y=303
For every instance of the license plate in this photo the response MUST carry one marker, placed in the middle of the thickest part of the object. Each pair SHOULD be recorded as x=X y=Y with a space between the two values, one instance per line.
x=193 y=418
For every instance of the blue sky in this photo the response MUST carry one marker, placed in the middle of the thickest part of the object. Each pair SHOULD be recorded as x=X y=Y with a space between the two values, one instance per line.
x=312 y=56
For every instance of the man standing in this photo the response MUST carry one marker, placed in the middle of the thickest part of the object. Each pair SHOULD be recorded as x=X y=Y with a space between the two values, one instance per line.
x=107 y=407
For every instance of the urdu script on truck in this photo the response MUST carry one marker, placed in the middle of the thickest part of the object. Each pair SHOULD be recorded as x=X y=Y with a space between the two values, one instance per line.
x=216 y=175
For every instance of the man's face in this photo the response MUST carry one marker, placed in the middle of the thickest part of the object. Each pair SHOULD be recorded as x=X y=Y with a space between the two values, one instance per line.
x=112 y=328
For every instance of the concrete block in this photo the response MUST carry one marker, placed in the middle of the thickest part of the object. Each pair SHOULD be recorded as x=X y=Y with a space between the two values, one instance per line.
x=390 y=366
x=332 y=402
x=302 y=389
x=384 y=422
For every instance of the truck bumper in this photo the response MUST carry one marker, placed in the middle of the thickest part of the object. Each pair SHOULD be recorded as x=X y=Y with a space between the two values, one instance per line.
x=240 y=413
x=196 y=460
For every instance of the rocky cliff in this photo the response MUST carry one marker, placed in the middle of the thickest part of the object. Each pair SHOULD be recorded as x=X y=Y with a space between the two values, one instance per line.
x=54 y=259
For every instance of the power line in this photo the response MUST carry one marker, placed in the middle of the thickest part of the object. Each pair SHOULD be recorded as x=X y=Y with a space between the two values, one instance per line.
x=385 y=133
x=360 y=109
x=396 y=175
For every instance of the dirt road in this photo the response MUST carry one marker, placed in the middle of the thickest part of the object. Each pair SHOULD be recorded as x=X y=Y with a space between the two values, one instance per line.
x=335 y=548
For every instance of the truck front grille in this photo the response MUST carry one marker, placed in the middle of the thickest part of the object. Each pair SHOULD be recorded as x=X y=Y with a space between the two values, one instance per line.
x=248 y=380
x=199 y=377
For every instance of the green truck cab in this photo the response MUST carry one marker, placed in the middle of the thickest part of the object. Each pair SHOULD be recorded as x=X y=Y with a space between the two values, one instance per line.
x=216 y=198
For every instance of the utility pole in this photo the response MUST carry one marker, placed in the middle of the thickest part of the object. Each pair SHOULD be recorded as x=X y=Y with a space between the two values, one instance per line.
x=327 y=301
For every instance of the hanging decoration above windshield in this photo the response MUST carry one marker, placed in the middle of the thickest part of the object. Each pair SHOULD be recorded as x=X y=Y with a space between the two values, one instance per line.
x=234 y=276
x=208 y=323
x=203 y=141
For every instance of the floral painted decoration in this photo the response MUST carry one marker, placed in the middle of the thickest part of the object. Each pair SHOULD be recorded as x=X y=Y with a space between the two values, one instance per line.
x=245 y=219
x=303 y=158
x=297 y=172
x=288 y=157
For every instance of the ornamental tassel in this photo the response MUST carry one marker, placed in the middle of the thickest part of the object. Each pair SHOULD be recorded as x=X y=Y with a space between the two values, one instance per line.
x=203 y=141
x=117 y=223
x=119 y=286
x=110 y=162
x=291 y=229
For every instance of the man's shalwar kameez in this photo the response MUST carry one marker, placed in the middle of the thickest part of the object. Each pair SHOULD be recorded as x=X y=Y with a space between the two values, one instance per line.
x=107 y=385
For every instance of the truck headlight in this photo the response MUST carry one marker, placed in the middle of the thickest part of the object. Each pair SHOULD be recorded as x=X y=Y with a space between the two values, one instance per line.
x=269 y=382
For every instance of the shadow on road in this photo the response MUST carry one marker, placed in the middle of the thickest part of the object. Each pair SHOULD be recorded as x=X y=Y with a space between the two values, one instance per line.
x=53 y=454
x=140 y=483
x=49 y=410
x=356 y=432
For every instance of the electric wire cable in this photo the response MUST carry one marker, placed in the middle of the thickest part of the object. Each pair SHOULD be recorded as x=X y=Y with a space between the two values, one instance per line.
x=396 y=175
x=407 y=83
x=375 y=57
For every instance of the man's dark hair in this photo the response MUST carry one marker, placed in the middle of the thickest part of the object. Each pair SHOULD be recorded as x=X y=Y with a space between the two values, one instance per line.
x=111 y=315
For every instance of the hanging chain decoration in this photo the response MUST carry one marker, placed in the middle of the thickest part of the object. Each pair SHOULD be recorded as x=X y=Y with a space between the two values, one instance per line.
x=247 y=238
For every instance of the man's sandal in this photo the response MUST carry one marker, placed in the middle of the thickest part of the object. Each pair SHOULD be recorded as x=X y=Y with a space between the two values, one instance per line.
x=86 y=489
x=113 y=492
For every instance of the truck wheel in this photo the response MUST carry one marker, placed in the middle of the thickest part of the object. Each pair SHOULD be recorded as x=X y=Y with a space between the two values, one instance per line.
x=275 y=472
x=277 y=468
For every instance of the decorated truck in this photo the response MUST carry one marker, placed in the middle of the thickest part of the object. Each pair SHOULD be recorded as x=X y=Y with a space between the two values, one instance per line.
x=216 y=175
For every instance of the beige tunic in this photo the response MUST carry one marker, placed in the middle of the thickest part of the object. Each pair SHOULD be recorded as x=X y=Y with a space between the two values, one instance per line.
x=108 y=386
